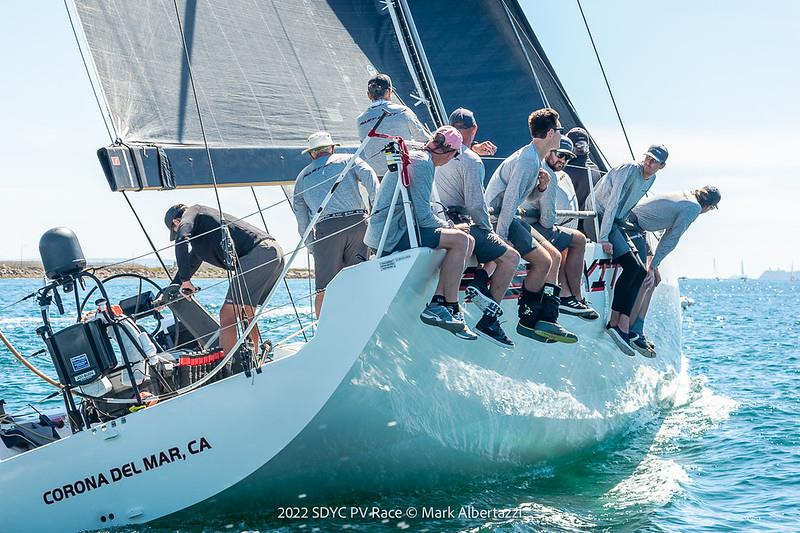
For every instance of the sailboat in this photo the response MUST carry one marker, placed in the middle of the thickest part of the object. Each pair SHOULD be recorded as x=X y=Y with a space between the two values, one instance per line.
x=716 y=274
x=205 y=94
x=742 y=275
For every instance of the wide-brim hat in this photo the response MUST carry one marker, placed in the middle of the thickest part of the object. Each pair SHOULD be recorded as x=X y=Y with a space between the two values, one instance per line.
x=320 y=139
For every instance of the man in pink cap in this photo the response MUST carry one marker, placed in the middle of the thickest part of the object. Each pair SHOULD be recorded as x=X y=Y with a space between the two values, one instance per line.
x=443 y=311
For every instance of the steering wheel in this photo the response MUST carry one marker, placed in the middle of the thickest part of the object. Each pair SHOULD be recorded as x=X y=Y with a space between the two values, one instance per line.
x=141 y=279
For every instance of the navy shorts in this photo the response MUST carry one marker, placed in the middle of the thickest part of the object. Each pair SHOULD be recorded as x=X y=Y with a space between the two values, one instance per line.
x=523 y=237
x=428 y=238
x=558 y=238
x=640 y=243
x=488 y=244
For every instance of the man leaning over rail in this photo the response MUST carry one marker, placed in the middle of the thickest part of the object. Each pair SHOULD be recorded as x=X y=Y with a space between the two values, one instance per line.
x=253 y=256
x=616 y=194
x=460 y=186
x=399 y=121
x=565 y=245
x=443 y=311
x=338 y=239
x=510 y=184
x=672 y=213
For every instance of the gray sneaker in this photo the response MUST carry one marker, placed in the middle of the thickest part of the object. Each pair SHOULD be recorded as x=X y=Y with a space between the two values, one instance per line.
x=440 y=316
x=484 y=302
x=621 y=339
x=463 y=333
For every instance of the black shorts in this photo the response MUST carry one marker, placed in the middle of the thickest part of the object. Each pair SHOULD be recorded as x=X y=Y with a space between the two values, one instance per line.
x=488 y=244
x=428 y=238
x=523 y=237
x=557 y=237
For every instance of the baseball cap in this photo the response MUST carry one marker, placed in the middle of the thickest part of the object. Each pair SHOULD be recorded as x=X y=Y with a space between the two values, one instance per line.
x=378 y=85
x=452 y=137
x=578 y=134
x=709 y=196
x=566 y=147
x=172 y=213
x=462 y=118
x=658 y=152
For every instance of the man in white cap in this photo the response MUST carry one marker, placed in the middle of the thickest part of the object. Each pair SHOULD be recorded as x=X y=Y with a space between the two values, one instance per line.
x=510 y=184
x=400 y=121
x=460 y=187
x=616 y=194
x=443 y=311
x=338 y=236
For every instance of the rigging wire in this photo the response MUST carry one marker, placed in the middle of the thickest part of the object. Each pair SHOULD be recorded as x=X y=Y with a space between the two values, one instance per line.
x=308 y=264
x=285 y=282
x=525 y=51
x=605 y=78
x=147 y=235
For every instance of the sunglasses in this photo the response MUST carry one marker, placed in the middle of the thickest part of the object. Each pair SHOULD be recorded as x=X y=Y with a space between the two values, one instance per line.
x=561 y=155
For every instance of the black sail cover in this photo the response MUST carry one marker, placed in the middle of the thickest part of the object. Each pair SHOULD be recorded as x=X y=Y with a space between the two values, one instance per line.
x=267 y=73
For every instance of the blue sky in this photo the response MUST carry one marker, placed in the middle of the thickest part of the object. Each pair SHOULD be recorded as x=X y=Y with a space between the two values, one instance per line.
x=717 y=86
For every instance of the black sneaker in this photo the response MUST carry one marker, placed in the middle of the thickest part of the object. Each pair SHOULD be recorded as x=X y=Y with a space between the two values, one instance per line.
x=489 y=328
x=555 y=332
x=481 y=297
x=639 y=344
x=621 y=339
x=572 y=306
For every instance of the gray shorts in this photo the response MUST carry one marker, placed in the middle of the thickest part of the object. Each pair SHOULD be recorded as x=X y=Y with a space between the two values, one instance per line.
x=488 y=244
x=258 y=271
x=557 y=237
x=338 y=243
x=428 y=238
x=523 y=237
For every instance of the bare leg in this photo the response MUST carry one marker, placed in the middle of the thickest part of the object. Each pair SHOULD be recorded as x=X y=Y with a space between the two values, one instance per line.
x=318 y=303
x=228 y=315
x=572 y=266
x=614 y=320
x=506 y=267
x=540 y=264
x=456 y=243
x=555 y=262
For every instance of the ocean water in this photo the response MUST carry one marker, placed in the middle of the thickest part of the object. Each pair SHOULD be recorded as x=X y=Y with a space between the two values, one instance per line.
x=724 y=457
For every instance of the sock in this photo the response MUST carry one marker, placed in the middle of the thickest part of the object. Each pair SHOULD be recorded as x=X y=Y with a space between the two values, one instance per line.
x=552 y=290
x=438 y=299
x=637 y=326
x=453 y=306
x=482 y=277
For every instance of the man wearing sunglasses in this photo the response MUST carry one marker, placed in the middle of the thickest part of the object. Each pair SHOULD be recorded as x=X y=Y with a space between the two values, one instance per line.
x=671 y=213
x=616 y=194
x=566 y=246
x=510 y=184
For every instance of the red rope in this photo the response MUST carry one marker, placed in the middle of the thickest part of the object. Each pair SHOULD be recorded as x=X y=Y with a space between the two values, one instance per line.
x=404 y=156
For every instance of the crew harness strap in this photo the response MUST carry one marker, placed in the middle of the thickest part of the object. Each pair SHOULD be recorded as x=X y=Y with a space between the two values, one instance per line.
x=402 y=148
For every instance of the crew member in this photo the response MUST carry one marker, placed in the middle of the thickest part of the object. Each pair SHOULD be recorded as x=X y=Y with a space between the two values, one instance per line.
x=671 y=213
x=510 y=184
x=254 y=257
x=338 y=239
x=460 y=186
x=581 y=167
x=399 y=121
x=616 y=194
x=443 y=311
x=565 y=245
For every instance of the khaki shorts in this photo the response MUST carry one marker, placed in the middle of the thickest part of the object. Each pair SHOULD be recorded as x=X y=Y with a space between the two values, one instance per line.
x=258 y=271
x=338 y=243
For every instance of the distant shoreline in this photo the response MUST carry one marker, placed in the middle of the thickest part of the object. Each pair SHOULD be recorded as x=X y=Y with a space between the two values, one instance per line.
x=34 y=270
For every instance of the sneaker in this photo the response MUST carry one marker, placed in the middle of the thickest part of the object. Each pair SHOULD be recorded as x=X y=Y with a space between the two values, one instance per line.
x=621 y=339
x=481 y=297
x=640 y=345
x=440 y=316
x=572 y=306
x=527 y=331
x=464 y=332
x=489 y=328
x=555 y=332
x=649 y=343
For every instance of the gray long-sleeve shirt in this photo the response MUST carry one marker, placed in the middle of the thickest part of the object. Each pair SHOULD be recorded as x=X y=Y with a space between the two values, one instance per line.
x=317 y=178
x=672 y=212
x=617 y=192
x=511 y=183
x=400 y=122
x=566 y=200
x=543 y=203
x=421 y=172
x=460 y=184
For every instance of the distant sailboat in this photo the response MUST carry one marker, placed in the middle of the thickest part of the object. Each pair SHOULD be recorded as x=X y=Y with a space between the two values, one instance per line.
x=716 y=274
x=743 y=276
x=791 y=273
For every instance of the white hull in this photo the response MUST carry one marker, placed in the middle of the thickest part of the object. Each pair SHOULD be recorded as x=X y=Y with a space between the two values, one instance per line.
x=376 y=396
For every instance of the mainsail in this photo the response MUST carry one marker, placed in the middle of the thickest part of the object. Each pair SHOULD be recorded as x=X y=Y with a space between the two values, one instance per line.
x=264 y=74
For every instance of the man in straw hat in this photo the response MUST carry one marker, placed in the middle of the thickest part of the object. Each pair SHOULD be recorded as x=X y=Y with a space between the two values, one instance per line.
x=338 y=235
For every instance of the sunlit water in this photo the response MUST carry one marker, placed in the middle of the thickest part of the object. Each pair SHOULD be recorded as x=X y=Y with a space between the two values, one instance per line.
x=724 y=456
